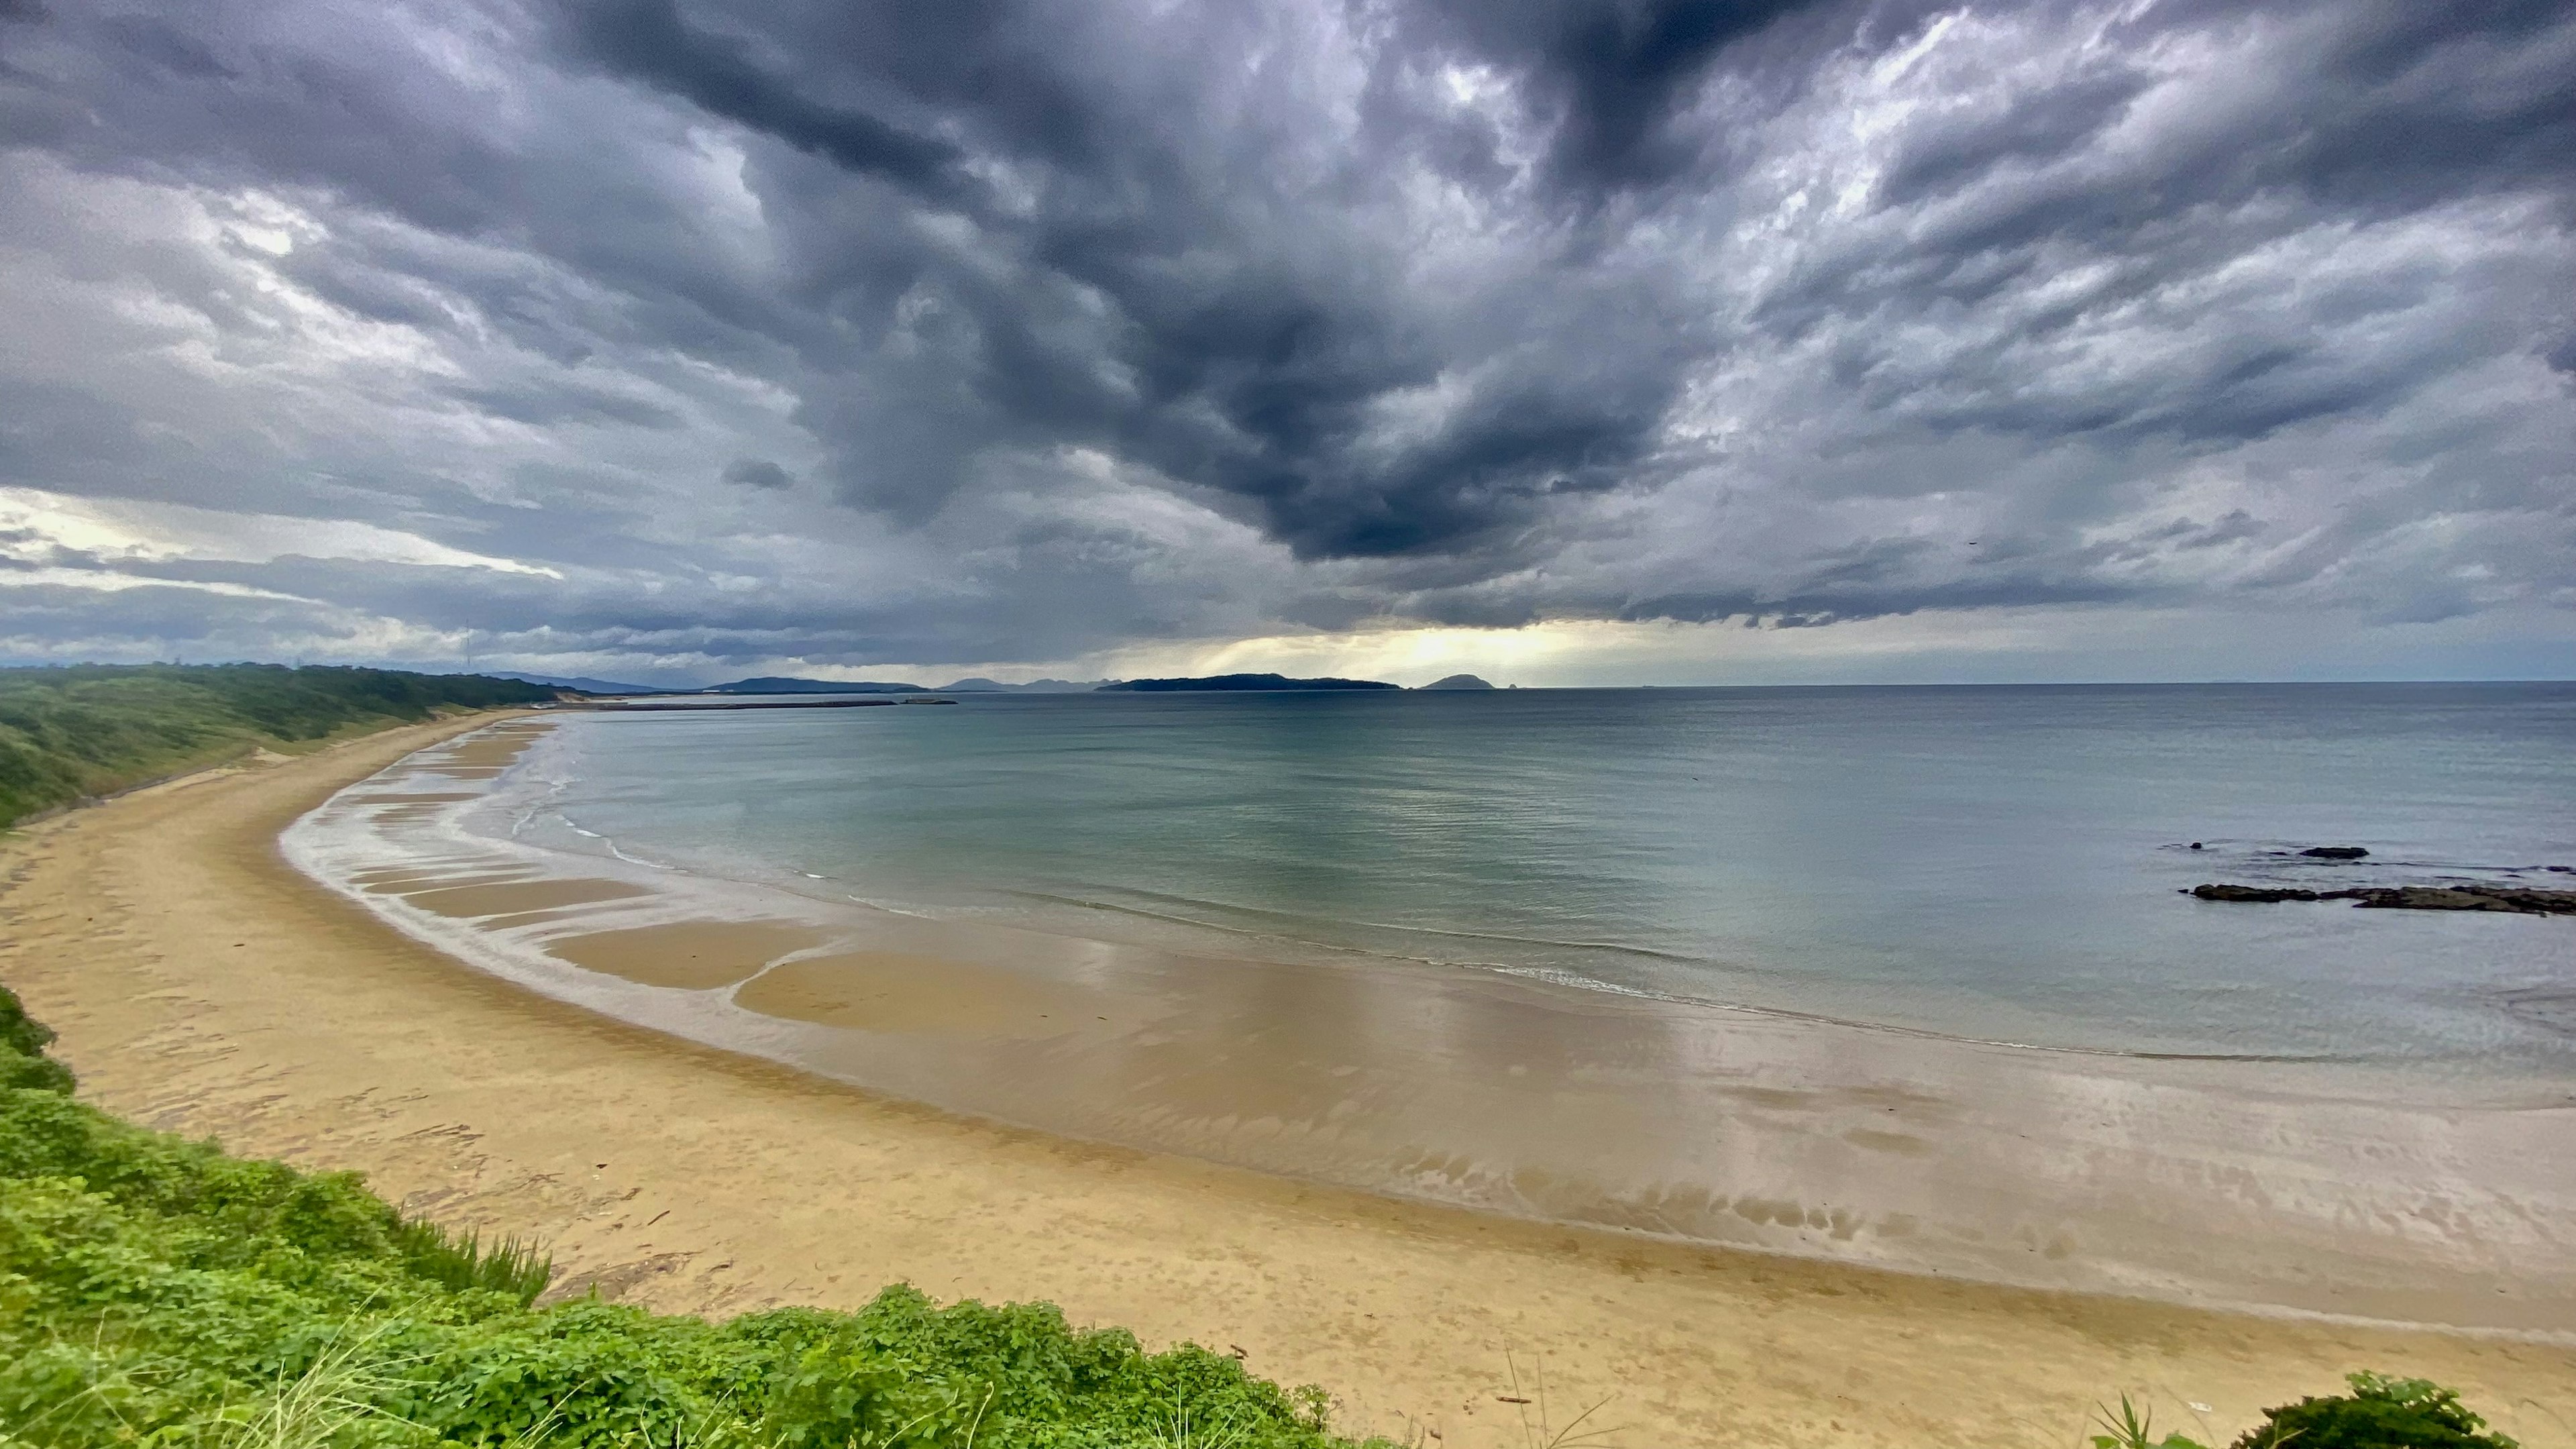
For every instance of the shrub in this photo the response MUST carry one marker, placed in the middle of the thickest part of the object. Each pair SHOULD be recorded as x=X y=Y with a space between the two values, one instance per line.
x=23 y=1040
x=2379 y=1413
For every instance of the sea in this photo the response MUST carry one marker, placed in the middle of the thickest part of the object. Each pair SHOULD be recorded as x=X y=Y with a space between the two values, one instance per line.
x=1992 y=863
x=1910 y=978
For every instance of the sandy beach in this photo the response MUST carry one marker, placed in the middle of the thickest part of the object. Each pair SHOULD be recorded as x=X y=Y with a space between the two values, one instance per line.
x=203 y=986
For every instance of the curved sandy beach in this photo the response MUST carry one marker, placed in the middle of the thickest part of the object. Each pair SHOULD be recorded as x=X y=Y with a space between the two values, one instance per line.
x=202 y=986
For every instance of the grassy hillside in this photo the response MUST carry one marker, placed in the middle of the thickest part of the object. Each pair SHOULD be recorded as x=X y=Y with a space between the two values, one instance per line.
x=157 y=1292
x=93 y=729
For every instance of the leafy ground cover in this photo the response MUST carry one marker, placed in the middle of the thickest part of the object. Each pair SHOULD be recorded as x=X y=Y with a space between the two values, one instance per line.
x=158 y=1292
x=2380 y=1413
x=69 y=733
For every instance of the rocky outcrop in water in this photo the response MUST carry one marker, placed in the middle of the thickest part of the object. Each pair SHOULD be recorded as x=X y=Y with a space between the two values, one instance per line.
x=2335 y=852
x=2520 y=900
x=2260 y=894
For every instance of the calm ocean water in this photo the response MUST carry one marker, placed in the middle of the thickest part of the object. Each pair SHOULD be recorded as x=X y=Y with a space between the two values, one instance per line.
x=1991 y=863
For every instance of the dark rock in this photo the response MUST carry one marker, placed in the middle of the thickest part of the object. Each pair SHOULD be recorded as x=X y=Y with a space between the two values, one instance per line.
x=2250 y=893
x=2428 y=898
x=2195 y=845
x=2519 y=900
x=2561 y=869
x=2528 y=898
x=2334 y=852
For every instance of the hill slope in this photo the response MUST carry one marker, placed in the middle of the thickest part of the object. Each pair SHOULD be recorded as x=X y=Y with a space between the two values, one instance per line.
x=584 y=683
x=162 y=1292
x=94 y=729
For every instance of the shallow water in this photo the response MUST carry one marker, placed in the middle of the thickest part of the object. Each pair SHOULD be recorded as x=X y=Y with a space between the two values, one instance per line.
x=1898 y=977
x=1996 y=863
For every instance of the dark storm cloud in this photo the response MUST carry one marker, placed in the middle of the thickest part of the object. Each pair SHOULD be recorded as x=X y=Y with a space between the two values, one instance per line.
x=1106 y=322
x=1235 y=355
x=649 y=40
x=1608 y=79
x=756 y=473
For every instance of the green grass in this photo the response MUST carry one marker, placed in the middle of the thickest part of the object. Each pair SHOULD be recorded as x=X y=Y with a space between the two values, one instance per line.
x=70 y=733
x=159 y=1292
x=462 y=1261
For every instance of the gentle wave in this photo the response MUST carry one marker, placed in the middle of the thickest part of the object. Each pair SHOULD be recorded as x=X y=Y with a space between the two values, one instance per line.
x=1682 y=1119
x=1614 y=947
x=1576 y=980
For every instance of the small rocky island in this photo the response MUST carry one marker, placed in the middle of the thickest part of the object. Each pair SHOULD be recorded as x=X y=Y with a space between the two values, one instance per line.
x=1456 y=681
x=2473 y=896
x=2449 y=893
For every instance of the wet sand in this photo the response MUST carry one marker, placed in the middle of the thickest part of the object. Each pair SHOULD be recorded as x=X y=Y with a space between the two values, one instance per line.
x=691 y=956
x=203 y=986
x=2313 y=1185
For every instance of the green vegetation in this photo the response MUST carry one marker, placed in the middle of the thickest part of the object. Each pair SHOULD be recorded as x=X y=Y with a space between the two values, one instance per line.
x=69 y=733
x=2379 y=1413
x=157 y=1292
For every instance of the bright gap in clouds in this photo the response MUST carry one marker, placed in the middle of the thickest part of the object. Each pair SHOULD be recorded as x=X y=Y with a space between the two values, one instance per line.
x=1994 y=647
x=36 y=527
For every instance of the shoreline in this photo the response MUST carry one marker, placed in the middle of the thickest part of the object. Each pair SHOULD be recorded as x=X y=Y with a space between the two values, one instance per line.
x=688 y=1178
x=2311 y=1187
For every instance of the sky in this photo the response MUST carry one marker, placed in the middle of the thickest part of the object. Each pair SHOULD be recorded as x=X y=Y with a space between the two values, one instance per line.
x=1564 y=341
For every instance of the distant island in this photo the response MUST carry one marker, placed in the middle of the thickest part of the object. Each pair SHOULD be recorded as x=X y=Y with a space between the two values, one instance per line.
x=771 y=684
x=977 y=684
x=1239 y=682
x=583 y=683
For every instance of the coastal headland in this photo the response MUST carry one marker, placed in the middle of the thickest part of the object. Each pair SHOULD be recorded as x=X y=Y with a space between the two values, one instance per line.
x=202 y=986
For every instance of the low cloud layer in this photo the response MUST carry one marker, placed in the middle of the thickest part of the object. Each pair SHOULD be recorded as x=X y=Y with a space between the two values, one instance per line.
x=679 y=337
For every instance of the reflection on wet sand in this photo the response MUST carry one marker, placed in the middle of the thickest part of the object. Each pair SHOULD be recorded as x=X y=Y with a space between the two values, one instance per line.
x=510 y=899
x=685 y=955
x=2252 y=1183
x=892 y=991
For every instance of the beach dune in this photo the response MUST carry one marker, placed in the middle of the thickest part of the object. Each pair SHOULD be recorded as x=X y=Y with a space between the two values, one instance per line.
x=202 y=986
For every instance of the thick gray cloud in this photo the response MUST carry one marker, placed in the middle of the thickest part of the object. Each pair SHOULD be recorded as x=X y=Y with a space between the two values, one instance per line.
x=509 y=327
x=757 y=473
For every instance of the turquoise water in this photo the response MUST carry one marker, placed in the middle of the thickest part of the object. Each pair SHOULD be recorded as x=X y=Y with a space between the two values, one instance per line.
x=1992 y=863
